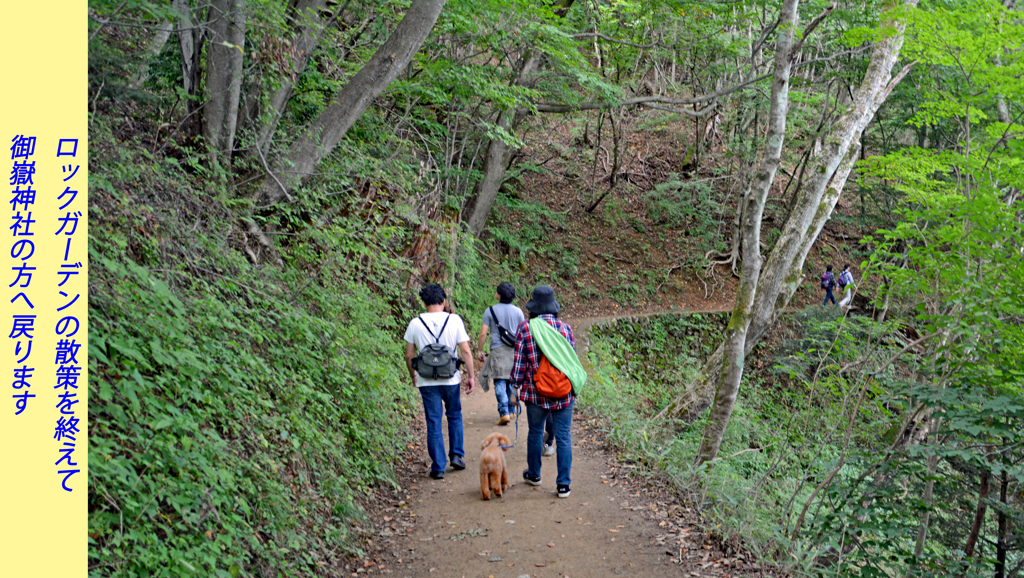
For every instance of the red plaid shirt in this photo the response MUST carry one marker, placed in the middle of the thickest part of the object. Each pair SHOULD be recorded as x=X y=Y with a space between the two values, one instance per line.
x=527 y=359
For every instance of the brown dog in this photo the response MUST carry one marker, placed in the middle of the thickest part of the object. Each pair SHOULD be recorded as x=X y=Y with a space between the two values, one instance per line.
x=493 y=474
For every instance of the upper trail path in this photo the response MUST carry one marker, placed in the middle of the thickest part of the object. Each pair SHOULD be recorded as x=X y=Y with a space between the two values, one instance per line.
x=611 y=525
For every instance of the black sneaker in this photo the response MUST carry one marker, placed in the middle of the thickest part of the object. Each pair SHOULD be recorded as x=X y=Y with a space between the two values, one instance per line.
x=563 y=491
x=458 y=463
x=531 y=480
x=437 y=475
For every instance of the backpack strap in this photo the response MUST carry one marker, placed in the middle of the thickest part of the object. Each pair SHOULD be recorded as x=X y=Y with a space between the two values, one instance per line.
x=437 y=338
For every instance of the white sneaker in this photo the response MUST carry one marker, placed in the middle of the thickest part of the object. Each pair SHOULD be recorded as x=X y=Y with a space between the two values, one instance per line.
x=549 y=450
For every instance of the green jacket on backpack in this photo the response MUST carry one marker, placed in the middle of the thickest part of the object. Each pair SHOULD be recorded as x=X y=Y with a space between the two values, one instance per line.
x=559 y=352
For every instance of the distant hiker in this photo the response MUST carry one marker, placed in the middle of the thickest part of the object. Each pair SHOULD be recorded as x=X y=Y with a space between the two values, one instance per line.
x=430 y=356
x=828 y=281
x=502 y=320
x=846 y=283
x=547 y=375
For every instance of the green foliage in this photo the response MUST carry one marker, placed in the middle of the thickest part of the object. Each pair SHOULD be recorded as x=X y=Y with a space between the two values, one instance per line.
x=242 y=411
x=526 y=227
x=238 y=414
x=636 y=368
x=952 y=261
x=692 y=206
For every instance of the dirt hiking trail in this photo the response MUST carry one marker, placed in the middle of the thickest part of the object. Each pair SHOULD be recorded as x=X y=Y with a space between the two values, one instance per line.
x=613 y=524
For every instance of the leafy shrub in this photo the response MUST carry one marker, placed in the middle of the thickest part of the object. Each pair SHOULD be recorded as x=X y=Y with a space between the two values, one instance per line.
x=692 y=206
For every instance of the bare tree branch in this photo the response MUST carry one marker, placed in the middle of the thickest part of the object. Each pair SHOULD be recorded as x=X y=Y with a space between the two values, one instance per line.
x=699 y=113
x=615 y=40
x=546 y=107
x=810 y=28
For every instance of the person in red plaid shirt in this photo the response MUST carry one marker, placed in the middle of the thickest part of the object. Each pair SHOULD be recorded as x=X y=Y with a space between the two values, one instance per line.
x=538 y=407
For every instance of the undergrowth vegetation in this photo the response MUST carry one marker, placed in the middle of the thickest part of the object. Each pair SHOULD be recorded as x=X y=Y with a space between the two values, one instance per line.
x=746 y=492
x=247 y=388
x=237 y=413
x=818 y=449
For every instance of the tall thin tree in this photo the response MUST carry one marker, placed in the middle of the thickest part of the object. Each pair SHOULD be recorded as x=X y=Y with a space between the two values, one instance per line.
x=750 y=268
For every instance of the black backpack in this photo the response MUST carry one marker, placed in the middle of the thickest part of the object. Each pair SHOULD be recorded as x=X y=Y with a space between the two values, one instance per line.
x=436 y=361
x=507 y=337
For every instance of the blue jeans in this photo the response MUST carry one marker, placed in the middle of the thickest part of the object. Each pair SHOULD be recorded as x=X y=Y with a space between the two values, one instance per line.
x=433 y=397
x=504 y=392
x=828 y=295
x=536 y=416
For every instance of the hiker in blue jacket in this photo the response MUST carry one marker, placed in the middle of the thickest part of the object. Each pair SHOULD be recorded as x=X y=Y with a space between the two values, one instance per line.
x=828 y=281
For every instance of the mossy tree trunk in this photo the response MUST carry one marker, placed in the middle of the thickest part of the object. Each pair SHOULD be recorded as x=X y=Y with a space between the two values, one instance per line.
x=309 y=149
x=750 y=269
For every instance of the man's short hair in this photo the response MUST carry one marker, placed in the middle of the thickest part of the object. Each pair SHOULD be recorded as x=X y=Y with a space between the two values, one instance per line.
x=432 y=294
x=506 y=292
x=829 y=268
x=846 y=266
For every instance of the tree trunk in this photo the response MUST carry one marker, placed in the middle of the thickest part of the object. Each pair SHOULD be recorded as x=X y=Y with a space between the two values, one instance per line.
x=189 y=41
x=1001 y=545
x=155 y=47
x=226 y=21
x=498 y=154
x=307 y=30
x=829 y=167
x=756 y=195
x=330 y=126
x=979 y=515
x=929 y=492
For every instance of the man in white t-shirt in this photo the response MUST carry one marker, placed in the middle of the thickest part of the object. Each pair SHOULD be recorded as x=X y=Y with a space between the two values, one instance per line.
x=846 y=283
x=437 y=326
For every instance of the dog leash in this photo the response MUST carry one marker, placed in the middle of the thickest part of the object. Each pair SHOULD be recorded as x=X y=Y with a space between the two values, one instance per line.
x=518 y=409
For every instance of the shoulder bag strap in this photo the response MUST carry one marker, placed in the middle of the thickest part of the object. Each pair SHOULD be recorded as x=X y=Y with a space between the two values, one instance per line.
x=495 y=317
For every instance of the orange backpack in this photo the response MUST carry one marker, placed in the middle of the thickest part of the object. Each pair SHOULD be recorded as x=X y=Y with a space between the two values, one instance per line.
x=549 y=381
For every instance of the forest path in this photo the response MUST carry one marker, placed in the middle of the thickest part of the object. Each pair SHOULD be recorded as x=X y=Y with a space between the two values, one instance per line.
x=611 y=525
